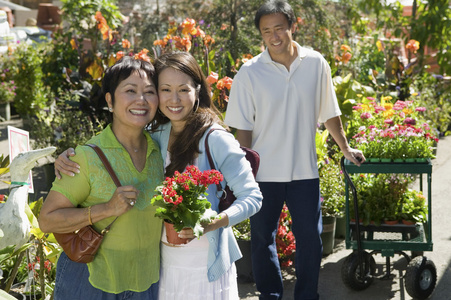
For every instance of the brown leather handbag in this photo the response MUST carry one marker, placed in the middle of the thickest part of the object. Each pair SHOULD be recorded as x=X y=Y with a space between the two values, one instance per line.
x=82 y=245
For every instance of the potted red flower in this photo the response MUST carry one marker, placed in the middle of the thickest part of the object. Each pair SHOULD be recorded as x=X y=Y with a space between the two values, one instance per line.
x=181 y=199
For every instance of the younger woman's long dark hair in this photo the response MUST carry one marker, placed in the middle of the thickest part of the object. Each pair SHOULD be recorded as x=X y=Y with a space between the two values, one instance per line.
x=185 y=148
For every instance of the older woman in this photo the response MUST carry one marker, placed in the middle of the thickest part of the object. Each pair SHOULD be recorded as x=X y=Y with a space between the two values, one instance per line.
x=127 y=263
x=203 y=268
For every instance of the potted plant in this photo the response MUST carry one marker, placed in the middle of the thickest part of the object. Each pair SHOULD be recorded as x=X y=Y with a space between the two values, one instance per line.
x=414 y=208
x=7 y=94
x=181 y=201
x=332 y=200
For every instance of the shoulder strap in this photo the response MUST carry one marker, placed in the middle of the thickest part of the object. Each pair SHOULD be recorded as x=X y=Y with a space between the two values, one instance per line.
x=106 y=163
x=210 y=159
x=110 y=170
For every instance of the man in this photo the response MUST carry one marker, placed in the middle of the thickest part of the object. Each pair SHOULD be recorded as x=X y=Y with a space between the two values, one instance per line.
x=276 y=101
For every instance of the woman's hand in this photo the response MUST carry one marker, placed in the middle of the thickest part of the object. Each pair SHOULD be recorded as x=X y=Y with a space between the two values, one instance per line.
x=64 y=165
x=221 y=220
x=124 y=198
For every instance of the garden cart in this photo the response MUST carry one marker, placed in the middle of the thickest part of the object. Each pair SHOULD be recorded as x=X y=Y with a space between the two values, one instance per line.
x=358 y=269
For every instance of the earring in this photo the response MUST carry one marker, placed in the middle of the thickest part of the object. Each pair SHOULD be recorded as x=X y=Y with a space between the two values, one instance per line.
x=196 y=105
x=110 y=109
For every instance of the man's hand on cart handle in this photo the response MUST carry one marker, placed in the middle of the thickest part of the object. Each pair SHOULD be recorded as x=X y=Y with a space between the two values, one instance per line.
x=355 y=156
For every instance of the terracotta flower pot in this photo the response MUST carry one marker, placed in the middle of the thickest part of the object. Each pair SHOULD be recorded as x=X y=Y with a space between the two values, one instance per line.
x=407 y=222
x=172 y=235
x=391 y=222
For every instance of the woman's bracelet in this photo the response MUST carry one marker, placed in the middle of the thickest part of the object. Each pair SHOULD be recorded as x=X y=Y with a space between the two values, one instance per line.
x=89 y=215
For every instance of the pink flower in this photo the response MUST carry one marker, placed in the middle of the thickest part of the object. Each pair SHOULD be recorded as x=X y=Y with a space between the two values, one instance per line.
x=420 y=108
x=388 y=121
x=409 y=121
x=365 y=116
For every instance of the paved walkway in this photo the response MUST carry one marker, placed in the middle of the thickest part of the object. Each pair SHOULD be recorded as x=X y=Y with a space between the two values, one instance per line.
x=330 y=284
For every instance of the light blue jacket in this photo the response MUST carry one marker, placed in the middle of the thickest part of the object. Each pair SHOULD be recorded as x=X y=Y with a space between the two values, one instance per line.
x=229 y=159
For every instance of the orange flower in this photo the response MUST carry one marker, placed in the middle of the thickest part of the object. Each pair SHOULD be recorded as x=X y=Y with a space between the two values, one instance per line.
x=300 y=20
x=224 y=26
x=346 y=57
x=143 y=55
x=208 y=40
x=189 y=27
x=103 y=26
x=246 y=57
x=225 y=82
x=200 y=32
x=126 y=44
x=120 y=54
x=212 y=78
x=161 y=43
x=413 y=46
x=182 y=44
x=345 y=48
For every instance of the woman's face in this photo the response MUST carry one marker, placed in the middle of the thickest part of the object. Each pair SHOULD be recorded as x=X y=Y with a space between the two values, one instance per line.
x=177 y=94
x=135 y=101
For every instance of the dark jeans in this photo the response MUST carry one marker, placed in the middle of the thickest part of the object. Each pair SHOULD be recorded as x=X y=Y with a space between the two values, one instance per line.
x=303 y=200
x=72 y=283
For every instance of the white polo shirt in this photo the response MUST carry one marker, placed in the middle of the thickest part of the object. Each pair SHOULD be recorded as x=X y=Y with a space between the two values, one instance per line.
x=282 y=109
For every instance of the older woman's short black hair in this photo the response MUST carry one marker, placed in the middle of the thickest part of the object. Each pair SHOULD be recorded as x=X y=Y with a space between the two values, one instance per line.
x=121 y=70
x=273 y=7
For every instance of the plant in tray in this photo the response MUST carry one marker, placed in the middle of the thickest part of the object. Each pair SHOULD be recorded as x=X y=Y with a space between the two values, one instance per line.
x=414 y=207
x=380 y=196
x=395 y=131
x=181 y=200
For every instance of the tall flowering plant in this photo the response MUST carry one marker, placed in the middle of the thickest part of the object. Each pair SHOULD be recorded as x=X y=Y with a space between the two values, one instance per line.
x=219 y=90
x=395 y=131
x=7 y=91
x=181 y=200
x=285 y=242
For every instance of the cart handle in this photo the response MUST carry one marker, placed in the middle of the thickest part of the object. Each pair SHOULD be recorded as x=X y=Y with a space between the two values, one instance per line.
x=356 y=215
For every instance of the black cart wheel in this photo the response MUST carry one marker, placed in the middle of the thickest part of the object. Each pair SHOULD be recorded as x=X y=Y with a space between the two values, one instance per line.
x=420 y=278
x=350 y=271
x=417 y=253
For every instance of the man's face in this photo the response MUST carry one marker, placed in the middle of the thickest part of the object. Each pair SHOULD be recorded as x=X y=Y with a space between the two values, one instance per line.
x=277 y=34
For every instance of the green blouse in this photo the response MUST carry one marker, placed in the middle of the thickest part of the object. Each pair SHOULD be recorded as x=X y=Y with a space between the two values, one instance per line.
x=129 y=257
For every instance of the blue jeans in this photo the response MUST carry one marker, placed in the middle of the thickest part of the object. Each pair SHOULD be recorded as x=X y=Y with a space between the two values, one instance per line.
x=72 y=283
x=303 y=201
